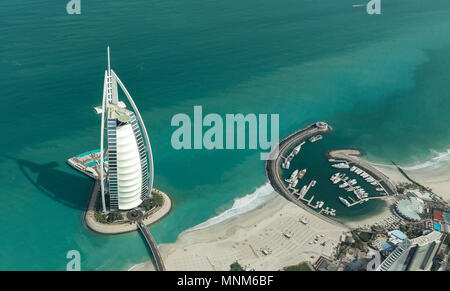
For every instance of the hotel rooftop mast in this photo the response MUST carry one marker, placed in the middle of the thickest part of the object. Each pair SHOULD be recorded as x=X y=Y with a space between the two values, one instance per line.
x=129 y=167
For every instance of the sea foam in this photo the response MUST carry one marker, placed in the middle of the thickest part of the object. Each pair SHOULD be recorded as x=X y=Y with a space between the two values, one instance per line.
x=241 y=205
x=440 y=159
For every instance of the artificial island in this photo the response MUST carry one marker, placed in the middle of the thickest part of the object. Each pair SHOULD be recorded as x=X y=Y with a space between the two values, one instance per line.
x=123 y=198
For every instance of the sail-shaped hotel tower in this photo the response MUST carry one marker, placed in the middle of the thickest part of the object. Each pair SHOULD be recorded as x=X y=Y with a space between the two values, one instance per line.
x=127 y=178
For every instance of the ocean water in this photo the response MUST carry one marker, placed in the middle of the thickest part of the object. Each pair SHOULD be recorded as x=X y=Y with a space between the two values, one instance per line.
x=381 y=81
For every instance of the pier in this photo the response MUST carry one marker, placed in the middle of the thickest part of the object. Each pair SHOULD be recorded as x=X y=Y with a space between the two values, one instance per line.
x=302 y=194
x=273 y=166
x=411 y=180
x=159 y=264
x=421 y=187
x=354 y=156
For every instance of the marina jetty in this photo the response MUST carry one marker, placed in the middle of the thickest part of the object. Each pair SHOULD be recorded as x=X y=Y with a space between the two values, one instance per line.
x=313 y=132
x=353 y=156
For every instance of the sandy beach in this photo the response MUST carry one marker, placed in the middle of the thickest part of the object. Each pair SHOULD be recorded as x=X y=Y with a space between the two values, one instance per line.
x=437 y=178
x=242 y=238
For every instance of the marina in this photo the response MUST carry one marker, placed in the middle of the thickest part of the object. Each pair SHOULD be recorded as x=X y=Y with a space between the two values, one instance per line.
x=287 y=161
x=358 y=183
x=350 y=185
x=364 y=170
x=298 y=194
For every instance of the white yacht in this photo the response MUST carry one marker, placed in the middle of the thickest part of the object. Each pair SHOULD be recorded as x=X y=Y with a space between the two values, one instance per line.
x=298 y=148
x=343 y=185
x=341 y=166
x=315 y=138
x=294 y=183
x=292 y=177
x=301 y=174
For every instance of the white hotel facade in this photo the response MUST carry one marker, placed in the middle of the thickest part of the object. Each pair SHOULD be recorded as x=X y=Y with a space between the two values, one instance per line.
x=127 y=162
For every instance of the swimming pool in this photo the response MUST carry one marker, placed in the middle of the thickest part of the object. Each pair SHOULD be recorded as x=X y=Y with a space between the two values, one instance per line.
x=88 y=153
x=94 y=162
x=437 y=227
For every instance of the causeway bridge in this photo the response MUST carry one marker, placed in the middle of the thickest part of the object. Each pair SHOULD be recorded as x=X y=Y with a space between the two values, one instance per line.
x=159 y=264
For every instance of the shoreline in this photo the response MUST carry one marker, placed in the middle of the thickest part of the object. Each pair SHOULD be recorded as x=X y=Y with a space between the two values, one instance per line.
x=436 y=178
x=214 y=243
x=241 y=238
x=257 y=238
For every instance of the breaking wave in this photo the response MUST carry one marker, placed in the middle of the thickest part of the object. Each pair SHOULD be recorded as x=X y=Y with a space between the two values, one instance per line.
x=241 y=205
x=439 y=160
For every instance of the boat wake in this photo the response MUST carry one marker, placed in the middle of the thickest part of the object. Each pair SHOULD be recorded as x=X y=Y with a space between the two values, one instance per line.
x=241 y=205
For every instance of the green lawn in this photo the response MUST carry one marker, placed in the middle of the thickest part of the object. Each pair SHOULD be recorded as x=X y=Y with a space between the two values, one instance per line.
x=365 y=236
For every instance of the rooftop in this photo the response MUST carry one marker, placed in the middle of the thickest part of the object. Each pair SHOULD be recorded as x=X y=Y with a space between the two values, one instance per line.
x=397 y=233
x=437 y=215
x=410 y=208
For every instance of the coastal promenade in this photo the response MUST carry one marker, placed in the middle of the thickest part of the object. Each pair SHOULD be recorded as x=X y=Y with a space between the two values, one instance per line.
x=354 y=156
x=273 y=166
x=153 y=217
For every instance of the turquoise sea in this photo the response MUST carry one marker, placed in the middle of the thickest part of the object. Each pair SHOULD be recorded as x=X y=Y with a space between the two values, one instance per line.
x=382 y=82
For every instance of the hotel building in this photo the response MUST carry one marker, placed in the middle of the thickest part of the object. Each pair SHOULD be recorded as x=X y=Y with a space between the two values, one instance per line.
x=127 y=162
